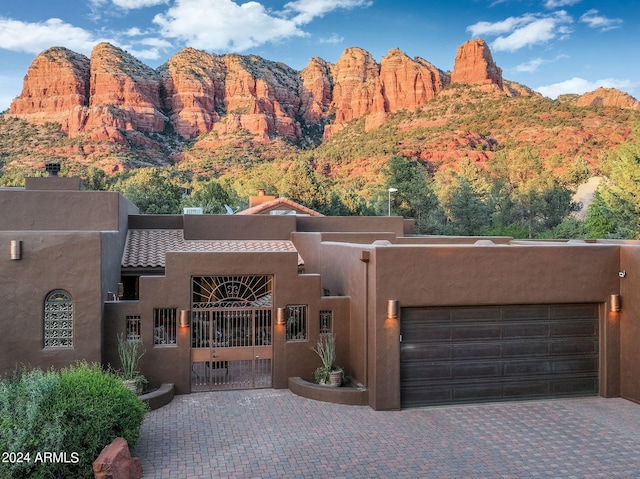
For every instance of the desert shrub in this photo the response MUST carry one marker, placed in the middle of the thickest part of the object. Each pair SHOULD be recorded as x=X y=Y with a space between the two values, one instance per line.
x=77 y=411
x=29 y=422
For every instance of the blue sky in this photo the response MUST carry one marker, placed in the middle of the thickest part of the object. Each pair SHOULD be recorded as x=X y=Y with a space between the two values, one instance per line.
x=552 y=46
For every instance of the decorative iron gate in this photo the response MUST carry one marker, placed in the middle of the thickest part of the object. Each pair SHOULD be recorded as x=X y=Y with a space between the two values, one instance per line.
x=231 y=329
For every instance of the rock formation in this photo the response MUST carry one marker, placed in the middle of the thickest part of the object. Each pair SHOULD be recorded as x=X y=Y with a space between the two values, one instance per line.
x=316 y=90
x=193 y=90
x=408 y=83
x=608 y=97
x=474 y=64
x=114 y=96
x=57 y=82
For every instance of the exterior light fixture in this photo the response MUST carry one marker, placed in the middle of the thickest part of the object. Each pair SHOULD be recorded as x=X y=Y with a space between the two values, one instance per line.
x=280 y=316
x=184 y=318
x=392 y=309
x=391 y=190
x=16 y=249
x=614 y=303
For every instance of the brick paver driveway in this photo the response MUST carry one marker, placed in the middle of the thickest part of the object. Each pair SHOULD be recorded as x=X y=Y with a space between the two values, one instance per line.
x=274 y=434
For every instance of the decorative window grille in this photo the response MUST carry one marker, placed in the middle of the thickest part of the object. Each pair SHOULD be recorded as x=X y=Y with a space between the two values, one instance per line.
x=296 y=315
x=231 y=291
x=58 y=320
x=133 y=328
x=165 y=323
x=326 y=322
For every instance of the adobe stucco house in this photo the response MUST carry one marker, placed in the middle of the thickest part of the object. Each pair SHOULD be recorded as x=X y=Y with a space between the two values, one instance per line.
x=236 y=301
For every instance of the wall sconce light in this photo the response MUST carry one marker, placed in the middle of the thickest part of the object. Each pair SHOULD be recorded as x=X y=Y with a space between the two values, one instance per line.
x=614 y=303
x=280 y=316
x=184 y=318
x=392 y=309
x=16 y=249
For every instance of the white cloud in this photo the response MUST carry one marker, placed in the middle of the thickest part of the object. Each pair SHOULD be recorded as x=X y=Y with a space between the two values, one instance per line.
x=223 y=24
x=580 y=85
x=530 y=66
x=306 y=10
x=551 y=4
x=594 y=20
x=133 y=4
x=33 y=38
x=526 y=30
x=497 y=28
x=334 y=38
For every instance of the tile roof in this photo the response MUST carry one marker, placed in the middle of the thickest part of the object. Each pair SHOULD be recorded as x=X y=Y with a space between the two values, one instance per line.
x=269 y=205
x=147 y=248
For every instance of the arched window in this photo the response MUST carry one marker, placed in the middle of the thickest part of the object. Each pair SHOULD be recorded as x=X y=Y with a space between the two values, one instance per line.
x=58 y=320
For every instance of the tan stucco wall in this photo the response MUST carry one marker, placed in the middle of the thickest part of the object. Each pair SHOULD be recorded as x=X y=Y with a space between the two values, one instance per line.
x=173 y=364
x=478 y=275
x=62 y=210
x=456 y=275
x=378 y=224
x=50 y=260
x=231 y=227
x=628 y=322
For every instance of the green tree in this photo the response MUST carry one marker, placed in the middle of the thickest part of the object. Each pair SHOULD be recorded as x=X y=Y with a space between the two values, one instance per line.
x=212 y=196
x=95 y=179
x=300 y=184
x=151 y=190
x=617 y=206
x=463 y=194
x=599 y=221
x=524 y=191
x=415 y=197
x=469 y=213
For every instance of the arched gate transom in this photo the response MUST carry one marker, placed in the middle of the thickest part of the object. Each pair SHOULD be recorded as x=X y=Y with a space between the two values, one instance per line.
x=231 y=331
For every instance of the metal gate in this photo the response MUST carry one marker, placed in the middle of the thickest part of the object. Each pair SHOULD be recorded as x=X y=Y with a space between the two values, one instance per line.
x=231 y=329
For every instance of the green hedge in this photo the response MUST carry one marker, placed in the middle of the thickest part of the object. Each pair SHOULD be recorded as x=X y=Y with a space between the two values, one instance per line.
x=54 y=424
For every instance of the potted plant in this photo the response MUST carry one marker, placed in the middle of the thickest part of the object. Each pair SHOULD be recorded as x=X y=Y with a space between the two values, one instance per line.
x=328 y=373
x=130 y=353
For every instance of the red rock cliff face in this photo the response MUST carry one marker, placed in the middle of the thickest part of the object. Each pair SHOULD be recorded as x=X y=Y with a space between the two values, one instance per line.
x=193 y=86
x=261 y=97
x=356 y=90
x=474 y=64
x=408 y=83
x=608 y=97
x=316 y=90
x=124 y=93
x=113 y=95
x=56 y=83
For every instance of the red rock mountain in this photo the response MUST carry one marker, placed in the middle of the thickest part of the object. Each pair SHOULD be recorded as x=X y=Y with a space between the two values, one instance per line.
x=608 y=97
x=114 y=96
x=197 y=92
x=474 y=64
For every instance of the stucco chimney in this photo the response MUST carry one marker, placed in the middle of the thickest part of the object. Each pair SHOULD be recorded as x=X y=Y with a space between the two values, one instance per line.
x=52 y=167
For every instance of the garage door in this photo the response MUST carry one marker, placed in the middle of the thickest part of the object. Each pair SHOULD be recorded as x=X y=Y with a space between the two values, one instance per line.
x=495 y=353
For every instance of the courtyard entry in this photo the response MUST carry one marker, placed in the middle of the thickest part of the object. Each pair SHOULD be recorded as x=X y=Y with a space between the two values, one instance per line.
x=231 y=331
x=495 y=353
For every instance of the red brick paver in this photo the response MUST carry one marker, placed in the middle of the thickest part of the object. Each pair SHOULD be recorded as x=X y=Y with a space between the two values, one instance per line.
x=274 y=434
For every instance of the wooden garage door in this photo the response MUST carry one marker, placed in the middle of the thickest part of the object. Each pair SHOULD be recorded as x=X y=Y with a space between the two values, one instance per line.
x=493 y=353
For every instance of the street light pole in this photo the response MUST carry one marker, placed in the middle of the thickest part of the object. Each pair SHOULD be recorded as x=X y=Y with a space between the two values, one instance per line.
x=391 y=190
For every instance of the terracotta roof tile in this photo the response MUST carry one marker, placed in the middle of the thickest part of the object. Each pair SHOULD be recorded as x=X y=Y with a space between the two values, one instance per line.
x=147 y=248
x=269 y=205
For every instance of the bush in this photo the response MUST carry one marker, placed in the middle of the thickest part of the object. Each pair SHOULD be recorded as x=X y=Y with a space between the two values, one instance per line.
x=29 y=422
x=77 y=411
